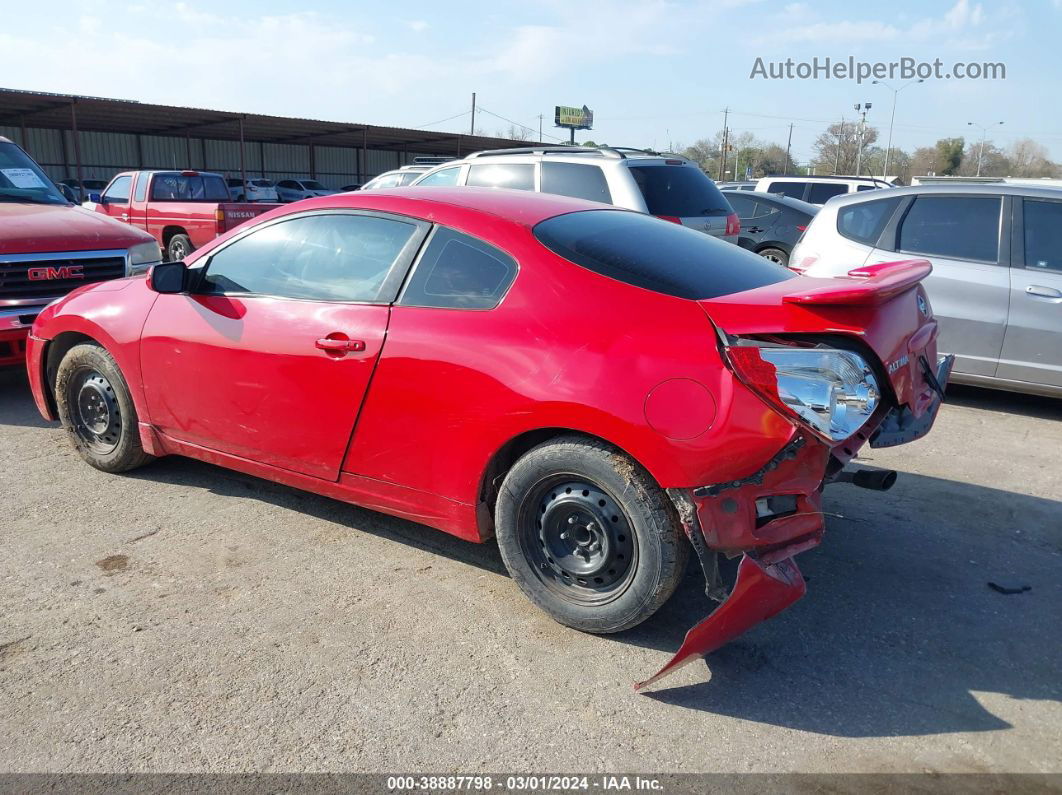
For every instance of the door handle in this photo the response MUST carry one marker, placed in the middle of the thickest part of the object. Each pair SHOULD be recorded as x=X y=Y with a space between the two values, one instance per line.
x=340 y=345
x=754 y=230
x=1043 y=292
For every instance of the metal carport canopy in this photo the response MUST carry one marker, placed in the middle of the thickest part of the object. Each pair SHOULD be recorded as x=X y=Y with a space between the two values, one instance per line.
x=100 y=114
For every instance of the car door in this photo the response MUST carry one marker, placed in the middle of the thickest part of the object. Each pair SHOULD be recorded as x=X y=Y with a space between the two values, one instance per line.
x=114 y=201
x=1032 y=346
x=269 y=355
x=969 y=287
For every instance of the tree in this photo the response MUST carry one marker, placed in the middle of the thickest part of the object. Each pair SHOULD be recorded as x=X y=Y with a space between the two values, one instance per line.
x=924 y=162
x=517 y=133
x=994 y=161
x=1029 y=159
x=837 y=149
x=949 y=155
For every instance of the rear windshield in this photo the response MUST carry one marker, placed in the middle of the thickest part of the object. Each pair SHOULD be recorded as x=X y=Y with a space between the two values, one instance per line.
x=183 y=187
x=679 y=191
x=262 y=183
x=657 y=255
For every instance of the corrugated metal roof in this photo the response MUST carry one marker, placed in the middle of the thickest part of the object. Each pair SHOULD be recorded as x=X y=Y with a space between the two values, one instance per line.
x=99 y=114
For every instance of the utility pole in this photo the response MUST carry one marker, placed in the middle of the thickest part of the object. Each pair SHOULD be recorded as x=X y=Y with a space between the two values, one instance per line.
x=892 y=119
x=722 y=153
x=472 y=128
x=540 y=128
x=788 y=145
x=840 y=138
x=862 y=110
x=981 y=151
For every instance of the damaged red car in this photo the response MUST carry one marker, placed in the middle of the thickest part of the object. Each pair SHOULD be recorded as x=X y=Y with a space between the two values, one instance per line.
x=603 y=392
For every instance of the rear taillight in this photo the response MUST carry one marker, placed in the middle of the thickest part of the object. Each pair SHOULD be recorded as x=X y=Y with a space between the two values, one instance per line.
x=672 y=218
x=833 y=392
x=801 y=228
x=219 y=215
x=733 y=224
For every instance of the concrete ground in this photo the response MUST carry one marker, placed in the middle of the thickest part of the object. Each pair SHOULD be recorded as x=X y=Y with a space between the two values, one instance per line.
x=188 y=618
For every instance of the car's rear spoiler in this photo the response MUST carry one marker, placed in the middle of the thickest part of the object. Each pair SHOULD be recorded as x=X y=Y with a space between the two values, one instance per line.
x=866 y=286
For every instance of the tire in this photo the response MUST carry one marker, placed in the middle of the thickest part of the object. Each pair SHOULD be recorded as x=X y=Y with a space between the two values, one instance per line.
x=97 y=411
x=588 y=535
x=179 y=247
x=775 y=255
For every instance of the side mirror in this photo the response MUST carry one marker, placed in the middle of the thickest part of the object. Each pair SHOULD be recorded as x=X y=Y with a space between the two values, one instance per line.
x=169 y=278
x=95 y=198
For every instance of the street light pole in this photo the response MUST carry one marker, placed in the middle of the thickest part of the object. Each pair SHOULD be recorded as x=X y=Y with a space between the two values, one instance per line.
x=984 y=133
x=892 y=119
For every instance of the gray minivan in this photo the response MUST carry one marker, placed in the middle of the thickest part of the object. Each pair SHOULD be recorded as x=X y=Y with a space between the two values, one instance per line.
x=996 y=285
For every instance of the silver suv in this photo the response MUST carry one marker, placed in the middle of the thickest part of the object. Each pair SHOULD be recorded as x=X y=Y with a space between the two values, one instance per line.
x=996 y=285
x=665 y=185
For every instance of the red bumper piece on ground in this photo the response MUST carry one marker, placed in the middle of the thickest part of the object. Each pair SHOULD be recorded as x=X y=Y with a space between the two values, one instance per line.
x=760 y=592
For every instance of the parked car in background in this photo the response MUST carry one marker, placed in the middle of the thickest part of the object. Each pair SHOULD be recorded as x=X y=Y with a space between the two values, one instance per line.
x=181 y=210
x=82 y=190
x=770 y=224
x=50 y=246
x=667 y=186
x=293 y=190
x=736 y=185
x=667 y=393
x=350 y=187
x=398 y=178
x=818 y=190
x=996 y=285
x=253 y=190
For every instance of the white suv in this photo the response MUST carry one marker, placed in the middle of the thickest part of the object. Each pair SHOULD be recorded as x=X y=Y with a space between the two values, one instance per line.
x=818 y=190
x=665 y=185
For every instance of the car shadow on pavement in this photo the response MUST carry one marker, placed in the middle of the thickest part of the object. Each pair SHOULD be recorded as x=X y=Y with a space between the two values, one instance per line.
x=16 y=402
x=899 y=632
x=1044 y=408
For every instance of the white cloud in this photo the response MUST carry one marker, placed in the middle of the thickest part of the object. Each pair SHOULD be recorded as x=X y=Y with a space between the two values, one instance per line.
x=417 y=25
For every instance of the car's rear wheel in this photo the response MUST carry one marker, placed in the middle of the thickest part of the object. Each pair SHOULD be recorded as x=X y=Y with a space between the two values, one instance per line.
x=774 y=255
x=97 y=411
x=588 y=536
x=179 y=247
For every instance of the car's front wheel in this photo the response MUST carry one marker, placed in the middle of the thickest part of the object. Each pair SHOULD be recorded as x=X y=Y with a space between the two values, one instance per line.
x=97 y=411
x=588 y=535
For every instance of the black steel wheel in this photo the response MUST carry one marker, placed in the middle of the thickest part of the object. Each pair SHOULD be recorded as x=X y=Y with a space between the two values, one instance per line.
x=588 y=535
x=97 y=410
x=578 y=539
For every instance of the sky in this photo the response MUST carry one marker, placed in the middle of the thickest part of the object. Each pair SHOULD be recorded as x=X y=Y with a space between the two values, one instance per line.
x=655 y=73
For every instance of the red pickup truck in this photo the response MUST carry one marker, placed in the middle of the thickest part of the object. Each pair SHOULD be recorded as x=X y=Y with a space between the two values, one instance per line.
x=50 y=246
x=182 y=210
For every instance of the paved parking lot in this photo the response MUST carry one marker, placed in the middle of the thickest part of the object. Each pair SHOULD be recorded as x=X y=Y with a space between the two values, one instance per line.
x=189 y=618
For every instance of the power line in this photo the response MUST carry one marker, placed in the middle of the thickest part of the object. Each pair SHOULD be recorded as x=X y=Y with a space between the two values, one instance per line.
x=440 y=121
x=516 y=123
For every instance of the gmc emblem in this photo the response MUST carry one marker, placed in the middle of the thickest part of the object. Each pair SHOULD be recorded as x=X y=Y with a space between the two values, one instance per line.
x=62 y=272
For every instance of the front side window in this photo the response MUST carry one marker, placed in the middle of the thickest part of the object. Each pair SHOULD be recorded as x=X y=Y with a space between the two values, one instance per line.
x=960 y=227
x=794 y=190
x=519 y=176
x=1043 y=234
x=459 y=272
x=821 y=192
x=445 y=176
x=656 y=255
x=118 y=191
x=331 y=257
x=576 y=180
x=865 y=221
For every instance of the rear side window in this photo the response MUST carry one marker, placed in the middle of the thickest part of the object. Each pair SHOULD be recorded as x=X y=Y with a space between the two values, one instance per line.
x=822 y=191
x=679 y=191
x=794 y=190
x=502 y=175
x=403 y=179
x=865 y=221
x=658 y=255
x=860 y=188
x=577 y=180
x=459 y=272
x=961 y=227
x=1043 y=234
x=744 y=206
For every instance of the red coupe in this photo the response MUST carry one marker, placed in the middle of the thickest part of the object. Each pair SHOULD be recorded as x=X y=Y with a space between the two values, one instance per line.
x=601 y=391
